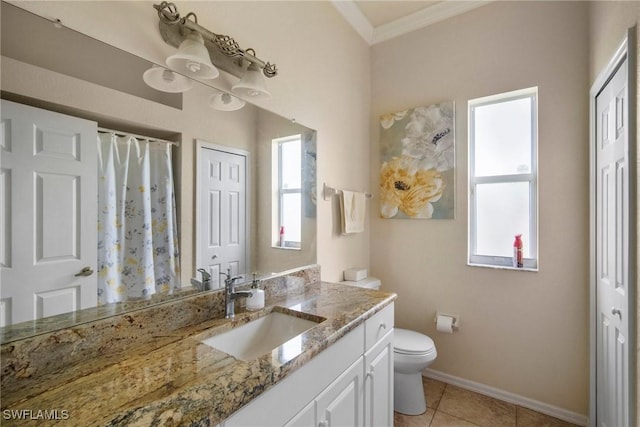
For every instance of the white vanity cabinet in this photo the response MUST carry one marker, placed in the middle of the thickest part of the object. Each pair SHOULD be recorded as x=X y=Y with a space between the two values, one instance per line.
x=378 y=365
x=348 y=384
x=340 y=404
x=378 y=382
x=304 y=418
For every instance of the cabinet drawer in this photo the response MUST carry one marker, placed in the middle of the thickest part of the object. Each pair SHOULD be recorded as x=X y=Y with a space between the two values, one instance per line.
x=378 y=325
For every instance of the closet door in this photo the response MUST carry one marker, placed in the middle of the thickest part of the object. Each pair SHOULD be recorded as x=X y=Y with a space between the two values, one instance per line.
x=48 y=225
x=222 y=213
x=613 y=273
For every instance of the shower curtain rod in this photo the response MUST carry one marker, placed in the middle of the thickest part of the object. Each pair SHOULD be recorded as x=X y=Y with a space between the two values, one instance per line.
x=122 y=133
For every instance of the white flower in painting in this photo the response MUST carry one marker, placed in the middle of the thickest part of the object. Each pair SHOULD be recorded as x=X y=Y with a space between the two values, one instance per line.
x=387 y=120
x=429 y=137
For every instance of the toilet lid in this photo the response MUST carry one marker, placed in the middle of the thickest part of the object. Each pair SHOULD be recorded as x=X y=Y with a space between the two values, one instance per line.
x=411 y=342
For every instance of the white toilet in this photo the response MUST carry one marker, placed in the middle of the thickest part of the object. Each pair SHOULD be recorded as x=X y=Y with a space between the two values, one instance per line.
x=412 y=352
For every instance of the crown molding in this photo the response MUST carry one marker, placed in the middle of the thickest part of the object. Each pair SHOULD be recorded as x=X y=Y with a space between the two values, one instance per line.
x=354 y=16
x=406 y=24
x=423 y=18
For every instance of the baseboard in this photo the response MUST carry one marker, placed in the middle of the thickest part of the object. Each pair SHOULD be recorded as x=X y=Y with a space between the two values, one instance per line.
x=534 y=405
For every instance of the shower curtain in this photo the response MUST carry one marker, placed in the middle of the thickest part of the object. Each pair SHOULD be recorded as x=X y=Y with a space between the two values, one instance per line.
x=137 y=230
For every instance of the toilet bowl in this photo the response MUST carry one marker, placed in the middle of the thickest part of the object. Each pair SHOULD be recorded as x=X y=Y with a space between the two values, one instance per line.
x=412 y=352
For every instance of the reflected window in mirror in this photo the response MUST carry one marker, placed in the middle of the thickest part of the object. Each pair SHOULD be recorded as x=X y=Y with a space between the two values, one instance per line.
x=287 y=184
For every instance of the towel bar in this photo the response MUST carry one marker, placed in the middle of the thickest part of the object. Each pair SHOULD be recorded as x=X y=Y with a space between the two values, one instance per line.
x=328 y=192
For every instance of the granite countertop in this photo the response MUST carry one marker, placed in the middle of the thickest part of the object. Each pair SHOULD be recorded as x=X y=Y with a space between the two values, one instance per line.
x=182 y=381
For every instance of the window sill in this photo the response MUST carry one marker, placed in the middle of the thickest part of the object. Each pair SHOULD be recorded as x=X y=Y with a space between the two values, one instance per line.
x=286 y=248
x=504 y=267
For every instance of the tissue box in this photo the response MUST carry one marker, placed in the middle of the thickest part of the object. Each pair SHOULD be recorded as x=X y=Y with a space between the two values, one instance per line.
x=355 y=274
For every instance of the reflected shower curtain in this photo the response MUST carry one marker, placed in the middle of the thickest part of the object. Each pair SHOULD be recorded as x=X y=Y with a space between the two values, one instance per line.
x=137 y=230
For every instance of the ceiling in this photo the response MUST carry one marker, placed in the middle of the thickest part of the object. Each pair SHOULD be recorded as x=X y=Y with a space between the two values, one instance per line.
x=380 y=20
x=383 y=12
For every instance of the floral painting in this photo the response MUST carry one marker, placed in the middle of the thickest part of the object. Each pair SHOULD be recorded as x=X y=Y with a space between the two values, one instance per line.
x=418 y=163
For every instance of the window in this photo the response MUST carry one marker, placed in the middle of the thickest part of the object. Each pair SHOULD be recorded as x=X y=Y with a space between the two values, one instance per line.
x=287 y=162
x=503 y=200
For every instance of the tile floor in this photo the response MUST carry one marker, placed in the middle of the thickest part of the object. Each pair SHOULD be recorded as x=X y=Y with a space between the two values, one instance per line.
x=451 y=406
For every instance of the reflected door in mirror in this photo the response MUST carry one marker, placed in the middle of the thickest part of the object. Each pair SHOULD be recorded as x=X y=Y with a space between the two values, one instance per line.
x=223 y=212
x=48 y=213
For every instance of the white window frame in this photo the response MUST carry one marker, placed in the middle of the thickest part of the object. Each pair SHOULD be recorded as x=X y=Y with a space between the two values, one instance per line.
x=487 y=260
x=280 y=191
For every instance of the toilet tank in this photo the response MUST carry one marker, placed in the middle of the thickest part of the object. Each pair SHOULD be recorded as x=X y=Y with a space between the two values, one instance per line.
x=368 y=283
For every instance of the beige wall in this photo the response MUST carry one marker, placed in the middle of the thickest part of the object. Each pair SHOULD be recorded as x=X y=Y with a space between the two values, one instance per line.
x=323 y=83
x=608 y=24
x=525 y=333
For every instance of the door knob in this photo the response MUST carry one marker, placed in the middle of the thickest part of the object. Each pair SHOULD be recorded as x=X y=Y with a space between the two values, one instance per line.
x=87 y=271
x=616 y=311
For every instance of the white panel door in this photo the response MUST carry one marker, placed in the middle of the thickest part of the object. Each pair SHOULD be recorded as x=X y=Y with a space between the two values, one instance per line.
x=222 y=229
x=48 y=196
x=612 y=252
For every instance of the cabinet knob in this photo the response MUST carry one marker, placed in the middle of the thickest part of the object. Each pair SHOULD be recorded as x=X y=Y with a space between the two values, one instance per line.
x=383 y=325
x=370 y=373
x=323 y=424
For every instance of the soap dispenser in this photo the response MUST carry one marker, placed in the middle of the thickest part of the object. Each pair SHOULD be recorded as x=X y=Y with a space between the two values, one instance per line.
x=256 y=300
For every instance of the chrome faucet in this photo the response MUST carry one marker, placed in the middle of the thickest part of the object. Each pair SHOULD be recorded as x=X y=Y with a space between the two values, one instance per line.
x=205 y=284
x=230 y=294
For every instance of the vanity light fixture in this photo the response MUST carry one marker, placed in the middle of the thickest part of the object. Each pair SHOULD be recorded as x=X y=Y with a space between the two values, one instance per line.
x=166 y=80
x=224 y=101
x=252 y=84
x=224 y=51
x=192 y=58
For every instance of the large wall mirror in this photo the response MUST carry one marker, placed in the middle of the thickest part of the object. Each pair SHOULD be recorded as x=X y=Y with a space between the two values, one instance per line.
x=266 y=226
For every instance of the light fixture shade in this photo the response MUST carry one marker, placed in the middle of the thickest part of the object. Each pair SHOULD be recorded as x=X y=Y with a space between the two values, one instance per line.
x=252 y=84
x=192 y=58
x=225 y=102
x=165 y=80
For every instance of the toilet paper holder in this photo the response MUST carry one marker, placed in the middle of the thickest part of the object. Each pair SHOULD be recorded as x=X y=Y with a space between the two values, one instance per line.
x=456 y=319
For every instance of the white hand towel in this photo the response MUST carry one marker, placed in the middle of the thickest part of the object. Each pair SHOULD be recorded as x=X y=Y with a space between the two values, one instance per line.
x=352 y=211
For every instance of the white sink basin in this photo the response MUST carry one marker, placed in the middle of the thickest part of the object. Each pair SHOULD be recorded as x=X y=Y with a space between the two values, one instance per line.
x=261 y=336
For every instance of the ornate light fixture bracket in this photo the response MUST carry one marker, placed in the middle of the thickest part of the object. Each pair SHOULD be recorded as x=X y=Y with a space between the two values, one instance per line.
x=224 y=51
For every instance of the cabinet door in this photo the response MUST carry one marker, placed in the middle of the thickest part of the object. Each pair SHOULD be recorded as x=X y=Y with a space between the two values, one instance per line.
x=341 y=405
x=378 y=389
x=304 y=418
